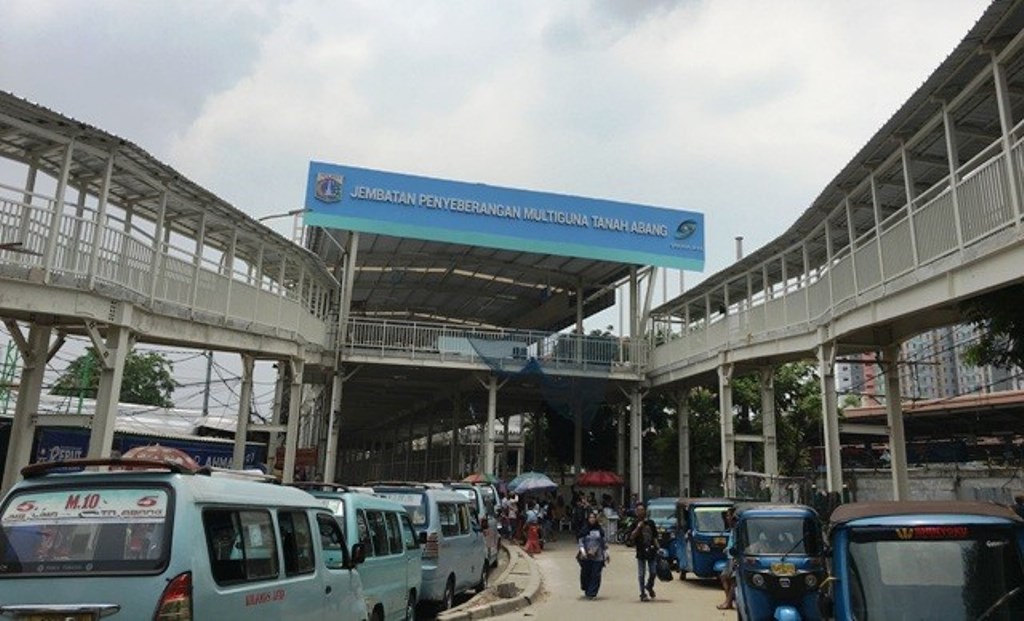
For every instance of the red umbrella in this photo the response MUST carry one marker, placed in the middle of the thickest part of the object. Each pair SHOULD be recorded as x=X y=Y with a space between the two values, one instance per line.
x=156 y=452
x=599 y=478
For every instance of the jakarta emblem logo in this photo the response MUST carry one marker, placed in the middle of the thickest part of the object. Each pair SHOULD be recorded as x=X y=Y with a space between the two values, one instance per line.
x=328 y=187
x=685 y=229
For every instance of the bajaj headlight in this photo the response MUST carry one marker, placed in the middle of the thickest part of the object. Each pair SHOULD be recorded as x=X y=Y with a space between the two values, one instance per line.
x=757 y=580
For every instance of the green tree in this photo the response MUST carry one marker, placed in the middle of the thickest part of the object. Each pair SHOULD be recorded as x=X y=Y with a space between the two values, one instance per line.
x=147 y=380
x=998 y=317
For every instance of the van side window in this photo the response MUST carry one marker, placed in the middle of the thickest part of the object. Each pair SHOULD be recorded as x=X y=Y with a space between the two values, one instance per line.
x=448 y=515
x=332 y=541
x=464 y=519
x=364 y=532
x=408 y=534
x=241 y=545
x=296 y=542
x=394 y=533
x=378 y=532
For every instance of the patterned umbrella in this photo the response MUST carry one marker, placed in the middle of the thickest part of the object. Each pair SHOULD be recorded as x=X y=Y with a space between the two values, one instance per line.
x=599 y=478
x=156 y=452
x=532 y=482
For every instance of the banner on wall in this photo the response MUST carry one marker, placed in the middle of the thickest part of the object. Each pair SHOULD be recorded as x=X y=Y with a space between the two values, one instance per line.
x=373 y=201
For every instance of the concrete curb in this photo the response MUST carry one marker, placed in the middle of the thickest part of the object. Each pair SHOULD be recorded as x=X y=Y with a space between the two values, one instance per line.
x=517 y=560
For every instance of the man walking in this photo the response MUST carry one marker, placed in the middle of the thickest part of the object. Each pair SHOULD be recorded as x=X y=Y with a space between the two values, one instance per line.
x=645 y=537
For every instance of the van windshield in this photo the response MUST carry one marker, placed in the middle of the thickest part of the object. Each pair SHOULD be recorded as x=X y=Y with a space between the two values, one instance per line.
x=415 y=505
x=709 y=520
x=85 y=530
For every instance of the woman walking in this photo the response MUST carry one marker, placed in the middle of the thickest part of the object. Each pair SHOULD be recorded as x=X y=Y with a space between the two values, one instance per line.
x=592 y=555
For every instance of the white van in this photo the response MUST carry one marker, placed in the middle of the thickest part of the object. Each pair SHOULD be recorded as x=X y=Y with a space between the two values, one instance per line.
x=161 y=542
x=393 y=571
x=483 y=510
x=454 y=553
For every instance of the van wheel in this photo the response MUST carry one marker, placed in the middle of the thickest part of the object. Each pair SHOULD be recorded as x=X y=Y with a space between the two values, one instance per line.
x=410 y=607
x=448 y=599
x=482 y=585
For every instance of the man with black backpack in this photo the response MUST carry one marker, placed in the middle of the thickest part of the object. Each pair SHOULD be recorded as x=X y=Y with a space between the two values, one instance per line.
x=645 y=537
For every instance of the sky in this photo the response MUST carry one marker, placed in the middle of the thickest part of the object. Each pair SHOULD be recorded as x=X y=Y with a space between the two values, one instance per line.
x=743 y=111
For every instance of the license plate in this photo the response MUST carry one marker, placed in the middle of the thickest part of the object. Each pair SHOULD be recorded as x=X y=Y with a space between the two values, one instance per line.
x=63 y=616
x=719 y=541
x=783 y=569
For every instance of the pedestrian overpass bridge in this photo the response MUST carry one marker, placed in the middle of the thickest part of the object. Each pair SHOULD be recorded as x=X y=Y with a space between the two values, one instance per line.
x=110 y=243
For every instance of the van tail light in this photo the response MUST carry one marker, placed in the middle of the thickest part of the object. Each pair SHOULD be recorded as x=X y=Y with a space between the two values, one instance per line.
x=176 y=600
x=432 y=548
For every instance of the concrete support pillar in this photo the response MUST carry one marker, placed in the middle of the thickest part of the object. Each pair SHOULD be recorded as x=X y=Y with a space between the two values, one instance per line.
x=577 y=437
x=636 y=457
x=620 y=453
x=333 y=424
x=427 y=466
x=274 y=440
x=683 y=423
x=108 y=392
x=771 y=447
x=894 y=413
x=520 y=457
x=291 y=438
x=830 y=416
x=408 y=452
x=244 y=402
x=455 y=466
x=487 y=467
x=504 y=450
x=728 y=439
x=33 y=355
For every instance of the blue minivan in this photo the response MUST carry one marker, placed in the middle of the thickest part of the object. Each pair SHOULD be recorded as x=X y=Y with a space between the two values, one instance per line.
x=162 y=542
x=454 y=552
x=393 y=570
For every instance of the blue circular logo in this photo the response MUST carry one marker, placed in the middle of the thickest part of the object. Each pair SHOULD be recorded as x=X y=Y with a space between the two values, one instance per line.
x=685 y=229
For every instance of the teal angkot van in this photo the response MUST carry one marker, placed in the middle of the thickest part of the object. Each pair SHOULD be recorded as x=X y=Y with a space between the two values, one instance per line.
x=157 y=541
x=393 y=571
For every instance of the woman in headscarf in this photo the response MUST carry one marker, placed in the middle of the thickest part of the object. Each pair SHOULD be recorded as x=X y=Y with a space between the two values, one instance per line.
x=592 y=555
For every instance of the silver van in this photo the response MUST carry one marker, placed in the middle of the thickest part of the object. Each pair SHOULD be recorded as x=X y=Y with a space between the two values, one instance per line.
x=393 y=571
x=454 y=552
x=157 y=541
x=484 y=501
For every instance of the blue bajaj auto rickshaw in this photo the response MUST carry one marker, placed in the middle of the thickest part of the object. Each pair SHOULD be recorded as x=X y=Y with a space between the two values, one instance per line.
x=779 y=563
x=662 y=511
x=925 y=560
x=701 y=536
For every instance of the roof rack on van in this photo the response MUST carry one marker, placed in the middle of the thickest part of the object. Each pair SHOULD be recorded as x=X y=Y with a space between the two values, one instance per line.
x=74 y=465
x=320 y=486
x=418 y=484
x=251 y=475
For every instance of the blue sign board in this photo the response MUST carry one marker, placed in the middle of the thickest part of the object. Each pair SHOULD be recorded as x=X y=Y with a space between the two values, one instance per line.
x=372 y=201
x=56 y=444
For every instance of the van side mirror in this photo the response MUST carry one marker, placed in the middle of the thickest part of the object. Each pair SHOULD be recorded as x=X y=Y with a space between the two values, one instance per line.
x=358 y=554
x=423 y=537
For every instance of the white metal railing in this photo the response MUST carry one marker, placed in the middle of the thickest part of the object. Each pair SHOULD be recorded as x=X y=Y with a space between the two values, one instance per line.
x=125 y=256
x=497 y=348
x=901 y=244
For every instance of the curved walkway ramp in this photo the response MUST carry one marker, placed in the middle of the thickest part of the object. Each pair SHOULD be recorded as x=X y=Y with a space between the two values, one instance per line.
x=99 y=238
x=925 y=216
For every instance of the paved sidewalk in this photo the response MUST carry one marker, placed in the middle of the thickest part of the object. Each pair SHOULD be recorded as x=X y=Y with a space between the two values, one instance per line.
x=516 y=587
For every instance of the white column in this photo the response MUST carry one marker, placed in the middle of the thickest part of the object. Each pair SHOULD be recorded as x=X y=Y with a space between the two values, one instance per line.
x=636 y=461
x=291 y=438
x=577 y=435
x=487 y=467
x=455 y=466
x=275 y=418
x=19 y=452
x=728 y=439
x=109 y=391
x=683 y=422
x=333 y=422
x=894 y=414
x=830 y=417
x=620 y=453
x=244 y=402
x=427 y=474
x=771 y=450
